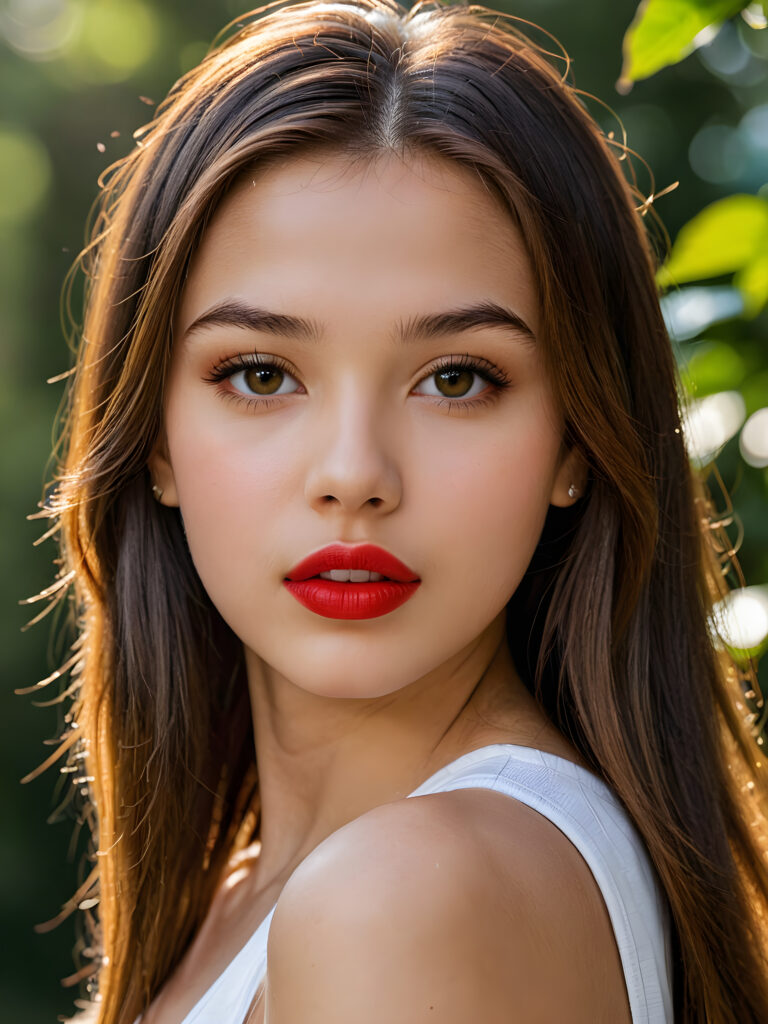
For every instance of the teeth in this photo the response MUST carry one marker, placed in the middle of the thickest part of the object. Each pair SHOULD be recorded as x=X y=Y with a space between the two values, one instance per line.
x=351 y=576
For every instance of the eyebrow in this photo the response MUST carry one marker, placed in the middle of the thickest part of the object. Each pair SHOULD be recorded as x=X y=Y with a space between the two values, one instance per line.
x=234 y=313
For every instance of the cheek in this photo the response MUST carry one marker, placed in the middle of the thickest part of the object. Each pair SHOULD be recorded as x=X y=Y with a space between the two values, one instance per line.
x=231 y=487
x=487 y=500
x=475 y=494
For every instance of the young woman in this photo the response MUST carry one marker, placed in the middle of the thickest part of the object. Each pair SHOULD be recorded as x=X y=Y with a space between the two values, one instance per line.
x=393 y=582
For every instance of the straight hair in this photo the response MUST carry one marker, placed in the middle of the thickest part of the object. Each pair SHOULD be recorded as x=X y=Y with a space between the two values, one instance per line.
x=612 y=626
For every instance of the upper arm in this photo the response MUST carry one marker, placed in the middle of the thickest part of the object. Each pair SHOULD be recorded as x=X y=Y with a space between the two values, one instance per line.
x=408 y=914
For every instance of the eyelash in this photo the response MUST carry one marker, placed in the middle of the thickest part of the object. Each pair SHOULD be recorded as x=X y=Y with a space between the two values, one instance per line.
x=483 y=368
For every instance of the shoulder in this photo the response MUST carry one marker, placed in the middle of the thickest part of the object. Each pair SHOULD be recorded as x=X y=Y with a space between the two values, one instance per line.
x=448 y=907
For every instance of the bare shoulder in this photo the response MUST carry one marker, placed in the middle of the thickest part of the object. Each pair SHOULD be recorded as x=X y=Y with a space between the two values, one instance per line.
x=444 y=908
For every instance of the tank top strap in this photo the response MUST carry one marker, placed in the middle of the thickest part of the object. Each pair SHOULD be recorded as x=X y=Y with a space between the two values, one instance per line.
x=587 y=811
x=590 y=814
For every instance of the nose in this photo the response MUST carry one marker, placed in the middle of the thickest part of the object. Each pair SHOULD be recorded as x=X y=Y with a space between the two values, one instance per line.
x=351 y=468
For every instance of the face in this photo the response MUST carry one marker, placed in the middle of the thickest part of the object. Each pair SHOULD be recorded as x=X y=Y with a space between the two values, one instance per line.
x=442 y=447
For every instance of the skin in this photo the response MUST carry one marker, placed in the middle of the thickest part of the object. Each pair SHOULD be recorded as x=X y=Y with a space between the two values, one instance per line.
x=360 y=445
x=391 y=920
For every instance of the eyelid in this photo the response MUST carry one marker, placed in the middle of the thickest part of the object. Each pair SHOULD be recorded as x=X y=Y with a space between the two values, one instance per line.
x=247 y=361
x=226 y=368
x=478 y=365
x=223 y=369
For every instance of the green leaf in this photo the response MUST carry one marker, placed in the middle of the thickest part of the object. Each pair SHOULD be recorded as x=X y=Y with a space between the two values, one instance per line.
x=752 y=282
x=664 y=31
x=754 y=391
x=724 y=237
x=713 y=366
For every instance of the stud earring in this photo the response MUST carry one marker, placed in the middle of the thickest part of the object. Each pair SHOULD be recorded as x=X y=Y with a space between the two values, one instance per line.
x=157 y=491
x=573 y=490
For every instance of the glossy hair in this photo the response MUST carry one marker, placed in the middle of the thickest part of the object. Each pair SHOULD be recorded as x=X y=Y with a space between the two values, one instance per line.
x=611 y=627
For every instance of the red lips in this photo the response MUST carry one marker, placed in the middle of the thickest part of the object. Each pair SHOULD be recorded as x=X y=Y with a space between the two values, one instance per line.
x=361 y=556
x=346 y=600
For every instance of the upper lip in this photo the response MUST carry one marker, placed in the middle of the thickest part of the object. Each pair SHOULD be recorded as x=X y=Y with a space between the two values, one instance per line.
x=358 y=556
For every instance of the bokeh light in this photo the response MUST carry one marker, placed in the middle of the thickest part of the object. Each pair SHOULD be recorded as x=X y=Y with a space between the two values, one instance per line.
x=741 y=619
x=728 y=57
x=708 y=423
x=717 y=153
x=723 y=153
x=688 y=311
x=753 y=440
x=754 y=128
x=755 y=15
x=40 y=29
x=98 y=41
x=117 y=37
x=25 y=174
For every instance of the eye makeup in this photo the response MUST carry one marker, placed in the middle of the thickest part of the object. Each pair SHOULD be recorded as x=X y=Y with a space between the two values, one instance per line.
x=256 y=370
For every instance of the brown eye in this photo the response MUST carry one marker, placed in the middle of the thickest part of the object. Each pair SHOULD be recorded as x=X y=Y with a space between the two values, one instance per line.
x=454 y=383
x=263 y=380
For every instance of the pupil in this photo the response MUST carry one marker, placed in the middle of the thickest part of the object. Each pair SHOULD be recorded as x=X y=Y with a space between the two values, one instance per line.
x=264 y=380
x=454 y=383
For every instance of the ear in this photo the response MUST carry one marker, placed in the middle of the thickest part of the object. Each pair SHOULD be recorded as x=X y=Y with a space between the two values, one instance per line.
x=571 y=477
x=161 y=472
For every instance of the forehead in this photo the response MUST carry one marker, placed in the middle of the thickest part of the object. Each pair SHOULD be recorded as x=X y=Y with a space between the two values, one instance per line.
x=319 y=234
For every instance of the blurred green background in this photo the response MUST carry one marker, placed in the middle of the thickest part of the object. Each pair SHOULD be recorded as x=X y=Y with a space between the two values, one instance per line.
x=78 y=77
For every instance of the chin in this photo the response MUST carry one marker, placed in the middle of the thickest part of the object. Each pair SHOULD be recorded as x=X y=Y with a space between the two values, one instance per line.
x=355 y=684
x=357 y=676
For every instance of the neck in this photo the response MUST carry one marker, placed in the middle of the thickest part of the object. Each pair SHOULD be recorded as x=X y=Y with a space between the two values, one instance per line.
x=324 y=761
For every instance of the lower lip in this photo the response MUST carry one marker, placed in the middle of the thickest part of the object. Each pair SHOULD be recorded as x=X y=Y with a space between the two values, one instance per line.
x=351 y=600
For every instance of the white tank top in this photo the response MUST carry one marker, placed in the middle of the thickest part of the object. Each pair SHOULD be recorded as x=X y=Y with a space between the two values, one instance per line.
x=586 y=810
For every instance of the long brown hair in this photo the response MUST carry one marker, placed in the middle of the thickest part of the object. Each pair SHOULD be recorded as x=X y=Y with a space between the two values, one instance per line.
x=612 y=623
